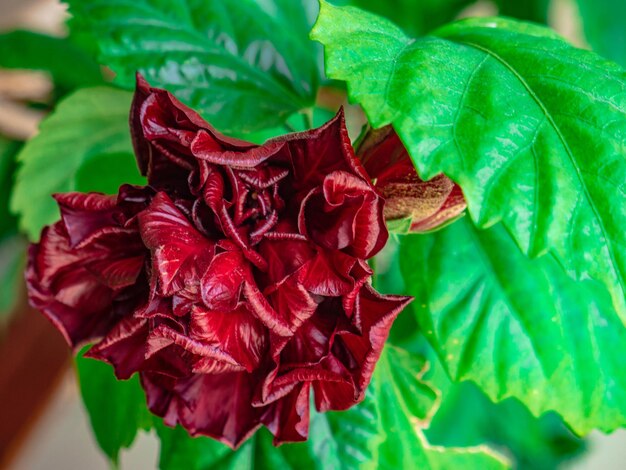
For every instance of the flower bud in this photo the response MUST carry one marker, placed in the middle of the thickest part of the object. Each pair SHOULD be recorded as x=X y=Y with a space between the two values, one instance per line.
x=411 y=204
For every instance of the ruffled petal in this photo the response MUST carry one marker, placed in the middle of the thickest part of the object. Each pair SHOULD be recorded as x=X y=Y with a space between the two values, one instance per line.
x=86 y=214
x=328 y=274
x=222 y=282
x=285 y=253
x=180 y=254
x=82 y=289
x=359 y=351
x=124 y=347
x=315 y=153
x=288 y=418
x=346 y=214
x=237 y=333
x=162 y=130
x=217 y=405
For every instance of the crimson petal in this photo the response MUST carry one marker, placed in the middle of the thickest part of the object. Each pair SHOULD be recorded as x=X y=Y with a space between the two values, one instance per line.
x=214 y=405
x=180 y=254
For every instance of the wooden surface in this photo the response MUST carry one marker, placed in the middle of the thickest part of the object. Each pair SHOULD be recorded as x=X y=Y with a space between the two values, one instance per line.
x=33 y=358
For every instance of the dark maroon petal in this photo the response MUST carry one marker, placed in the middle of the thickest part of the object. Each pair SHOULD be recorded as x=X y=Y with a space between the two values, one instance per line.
x=288 y=418
x=285 y=253
x=318 y=152
x=336 y=395
x=328 y=274
x=237 y=333
x=359 y=352
x=124 y=347
x=222 y=282
x=312 y=340
x=261 y=308
x=65 y=304
x=78 y=288
x=86 y=214
x=244 y=155
x=163 y=129
x=345 y=214
x=201 y=354
x=213 y=405
x=180 y=254
x=292 y=302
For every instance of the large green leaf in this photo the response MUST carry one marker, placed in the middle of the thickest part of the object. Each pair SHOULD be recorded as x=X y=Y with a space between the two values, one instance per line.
x=532 y=129
x=604 y=23
x=415 y=17
x=383 y=432
x=244 y=64
x=468 y=418
x=87 y=125
x=117 y=409
x=69 y=65
x=519 y=327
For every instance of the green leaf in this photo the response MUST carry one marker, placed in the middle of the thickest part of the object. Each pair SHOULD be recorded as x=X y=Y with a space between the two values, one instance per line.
x=8 y=152
x=69 y=65
x=530 y=10
x=468 y=418
x=179 y=450
x=604 y=24
x=406 y=405
x=415 y=17
x=117 y=409
x=532 y=129
x=380 y=433
x=89 y=127
x=12 y=260
x=518 y=327
x=245 y=65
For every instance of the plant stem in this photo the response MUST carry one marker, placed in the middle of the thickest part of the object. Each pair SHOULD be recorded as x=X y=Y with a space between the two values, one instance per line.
x=288 y=127
x=308 y=118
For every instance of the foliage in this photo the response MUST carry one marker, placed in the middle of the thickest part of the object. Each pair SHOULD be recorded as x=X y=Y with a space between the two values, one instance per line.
x=89 y=126
x=116 y=409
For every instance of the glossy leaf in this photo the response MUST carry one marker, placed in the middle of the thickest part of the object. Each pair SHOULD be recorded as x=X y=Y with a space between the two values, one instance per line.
x=468 y=418
x=604 y=25
x=518 y=327
x=406 y=405
x=68 y=65
x=378 y=433
x=532 y=129
x=117 y=409
x=86 y=125
x=12 y=255
x=245 y=65
x=415 y=17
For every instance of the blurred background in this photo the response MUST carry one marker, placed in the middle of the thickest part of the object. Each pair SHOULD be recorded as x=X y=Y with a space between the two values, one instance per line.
x=42 y=421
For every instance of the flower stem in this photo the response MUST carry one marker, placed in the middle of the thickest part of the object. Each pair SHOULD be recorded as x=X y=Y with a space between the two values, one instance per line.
x=308 y=118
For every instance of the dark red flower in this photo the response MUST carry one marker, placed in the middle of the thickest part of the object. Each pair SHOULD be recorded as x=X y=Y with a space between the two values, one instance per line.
x=234 y=283
x=428 y=204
